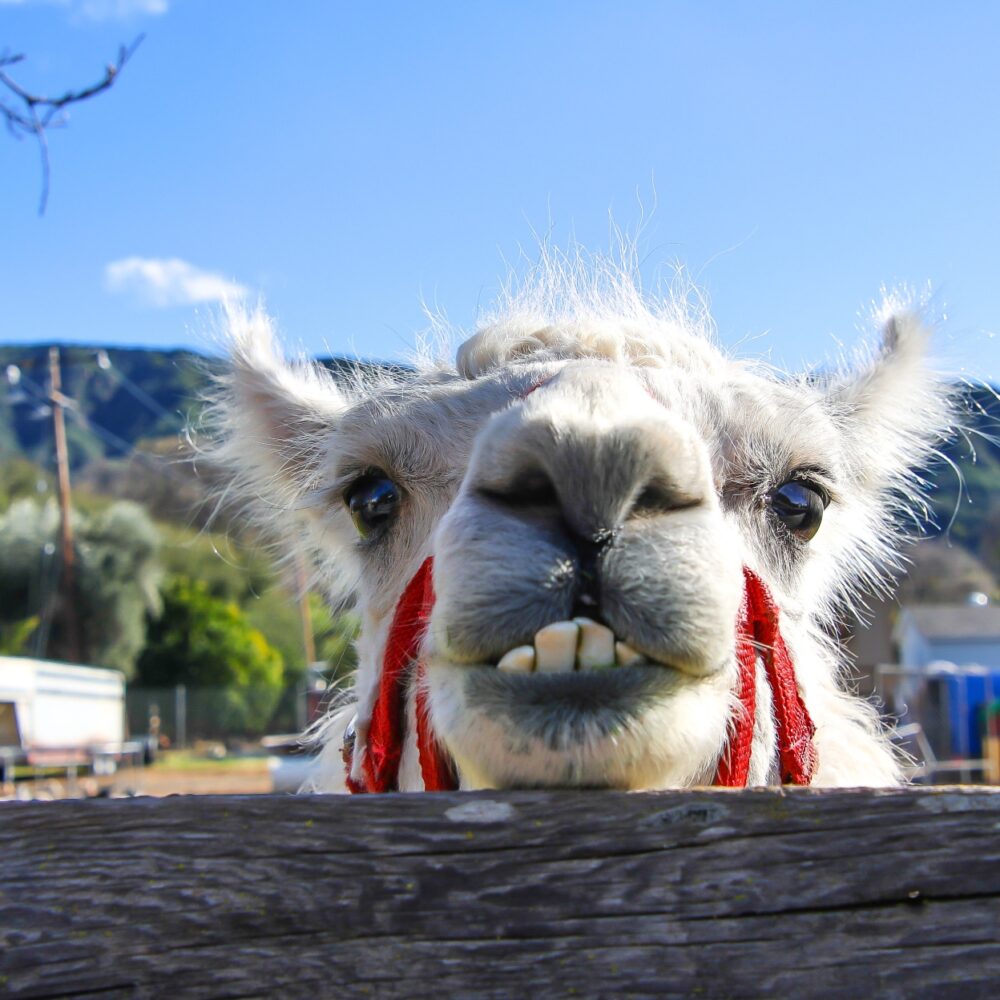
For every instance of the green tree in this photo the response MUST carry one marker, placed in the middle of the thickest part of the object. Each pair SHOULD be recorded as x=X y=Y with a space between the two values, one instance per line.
x=207 y=644
x=277 y=614
x=15 y=636
x=118 y=583
x=20 y=478
x=231 y=569
x=335 y=636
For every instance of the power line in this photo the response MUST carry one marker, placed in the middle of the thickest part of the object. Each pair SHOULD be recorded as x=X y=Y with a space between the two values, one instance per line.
x=105 y=364
x=16 y=374
x=130 y=450
x=109 y=437
x=54 y=566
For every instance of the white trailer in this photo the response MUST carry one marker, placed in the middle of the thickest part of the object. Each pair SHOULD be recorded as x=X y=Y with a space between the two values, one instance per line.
x=61 y=715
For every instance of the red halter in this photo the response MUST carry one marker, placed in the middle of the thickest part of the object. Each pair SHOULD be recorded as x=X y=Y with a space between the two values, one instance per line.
x=758 y=635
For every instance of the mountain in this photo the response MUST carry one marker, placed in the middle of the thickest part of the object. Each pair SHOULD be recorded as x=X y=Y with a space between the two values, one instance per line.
x=965 y=503
x=123 y=397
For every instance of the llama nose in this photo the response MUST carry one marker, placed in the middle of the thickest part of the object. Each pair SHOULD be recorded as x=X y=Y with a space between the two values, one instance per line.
x=534 y=500
x=588 y=457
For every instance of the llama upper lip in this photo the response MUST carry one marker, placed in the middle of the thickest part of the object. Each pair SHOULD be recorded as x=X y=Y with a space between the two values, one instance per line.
x=566 y=646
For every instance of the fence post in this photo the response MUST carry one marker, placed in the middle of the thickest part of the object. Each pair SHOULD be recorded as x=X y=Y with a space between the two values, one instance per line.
x=302 y=719
x=180 y=715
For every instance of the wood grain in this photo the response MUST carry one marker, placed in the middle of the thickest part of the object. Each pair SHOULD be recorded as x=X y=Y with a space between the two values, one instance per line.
x=766 y=893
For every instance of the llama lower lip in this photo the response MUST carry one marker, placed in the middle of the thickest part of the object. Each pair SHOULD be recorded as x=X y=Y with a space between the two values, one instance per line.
x=567 y=709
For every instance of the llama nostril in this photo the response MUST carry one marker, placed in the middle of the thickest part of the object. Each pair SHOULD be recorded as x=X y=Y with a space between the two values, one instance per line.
x=662 y=498
x=589 y=549
x=604 y=537
x=532 y=489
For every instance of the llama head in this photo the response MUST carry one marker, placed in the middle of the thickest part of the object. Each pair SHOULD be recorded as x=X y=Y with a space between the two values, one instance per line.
x=591 y=480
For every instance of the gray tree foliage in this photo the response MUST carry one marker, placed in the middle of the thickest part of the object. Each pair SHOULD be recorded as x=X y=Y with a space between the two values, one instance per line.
x=118 y=574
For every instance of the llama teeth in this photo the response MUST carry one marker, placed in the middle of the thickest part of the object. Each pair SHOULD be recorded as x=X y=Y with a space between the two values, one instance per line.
x=597 y=645
x=520 y=660
x=555 y=647
x=625 y=655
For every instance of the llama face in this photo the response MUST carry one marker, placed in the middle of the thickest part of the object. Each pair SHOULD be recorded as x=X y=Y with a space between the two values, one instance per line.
x=586 y=499
x=621 y=503
x=590 y=501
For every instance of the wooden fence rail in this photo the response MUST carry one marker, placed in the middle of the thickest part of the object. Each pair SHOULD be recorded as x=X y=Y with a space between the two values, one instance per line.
x=509 y=895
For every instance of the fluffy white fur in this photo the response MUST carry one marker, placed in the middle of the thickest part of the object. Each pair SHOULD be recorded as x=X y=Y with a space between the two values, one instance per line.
x=636 y=392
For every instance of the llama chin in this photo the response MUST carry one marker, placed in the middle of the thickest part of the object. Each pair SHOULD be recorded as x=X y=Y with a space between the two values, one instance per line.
x=602 y=493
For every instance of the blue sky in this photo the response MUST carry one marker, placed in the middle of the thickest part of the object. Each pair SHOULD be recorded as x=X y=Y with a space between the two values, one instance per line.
x=349 y=160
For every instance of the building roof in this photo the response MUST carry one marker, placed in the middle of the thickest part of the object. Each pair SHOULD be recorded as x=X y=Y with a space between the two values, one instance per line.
x=956 y=622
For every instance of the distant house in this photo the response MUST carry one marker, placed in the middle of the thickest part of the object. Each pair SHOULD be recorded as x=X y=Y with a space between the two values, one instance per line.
x=956 y=647
x=955 y=633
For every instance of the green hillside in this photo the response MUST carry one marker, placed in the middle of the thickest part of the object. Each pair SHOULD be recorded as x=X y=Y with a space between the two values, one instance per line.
x=966 y=499
x=123 y=395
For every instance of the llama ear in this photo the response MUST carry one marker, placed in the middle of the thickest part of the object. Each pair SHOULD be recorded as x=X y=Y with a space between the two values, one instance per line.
x=274 y=418
x=893 y=407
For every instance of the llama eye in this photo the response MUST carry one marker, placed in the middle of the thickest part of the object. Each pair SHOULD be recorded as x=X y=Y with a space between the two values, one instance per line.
x=373 y=502
x=799 y=506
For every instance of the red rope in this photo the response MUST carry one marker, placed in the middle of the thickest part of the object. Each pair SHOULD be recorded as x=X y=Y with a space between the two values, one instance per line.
x=796 y=750
x=758 y=634
x=385 y=732
x=734 y=764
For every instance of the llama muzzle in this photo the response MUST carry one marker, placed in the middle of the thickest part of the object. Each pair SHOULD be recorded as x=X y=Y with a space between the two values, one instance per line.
x=758 y=639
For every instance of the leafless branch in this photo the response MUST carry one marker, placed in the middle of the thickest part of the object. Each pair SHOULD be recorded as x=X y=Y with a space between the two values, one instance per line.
x=33 y=114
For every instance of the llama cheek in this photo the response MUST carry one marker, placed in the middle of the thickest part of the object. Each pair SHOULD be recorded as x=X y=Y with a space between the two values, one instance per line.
x=494 y=588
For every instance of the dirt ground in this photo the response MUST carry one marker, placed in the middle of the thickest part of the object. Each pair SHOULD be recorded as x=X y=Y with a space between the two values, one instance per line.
x=204 y=781
x=251 y=778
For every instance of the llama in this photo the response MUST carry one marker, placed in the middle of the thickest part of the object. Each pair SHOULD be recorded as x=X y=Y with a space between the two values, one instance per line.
x=597 y=551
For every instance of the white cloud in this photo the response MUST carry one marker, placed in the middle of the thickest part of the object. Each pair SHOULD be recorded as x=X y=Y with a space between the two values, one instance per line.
x=100 y=10
x=104 y=10
x=162 y=283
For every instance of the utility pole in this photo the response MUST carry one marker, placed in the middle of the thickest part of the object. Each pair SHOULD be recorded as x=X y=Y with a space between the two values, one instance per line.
x=303 y=713
x=302 y=586
x=68 y=579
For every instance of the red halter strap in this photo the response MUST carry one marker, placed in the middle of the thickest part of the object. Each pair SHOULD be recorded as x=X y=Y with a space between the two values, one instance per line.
x=757 y=635
x=387 y=729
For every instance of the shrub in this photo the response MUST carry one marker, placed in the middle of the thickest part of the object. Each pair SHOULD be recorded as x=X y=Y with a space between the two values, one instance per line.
x=235 y=675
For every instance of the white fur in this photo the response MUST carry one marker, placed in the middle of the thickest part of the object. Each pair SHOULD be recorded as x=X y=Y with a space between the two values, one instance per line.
x=647 y=377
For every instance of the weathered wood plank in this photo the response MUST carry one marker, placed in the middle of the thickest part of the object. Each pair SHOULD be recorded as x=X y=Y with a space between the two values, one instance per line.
x=533 y=894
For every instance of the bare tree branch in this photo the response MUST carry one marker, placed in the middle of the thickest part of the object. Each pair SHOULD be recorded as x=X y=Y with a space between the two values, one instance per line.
x=40 y=113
